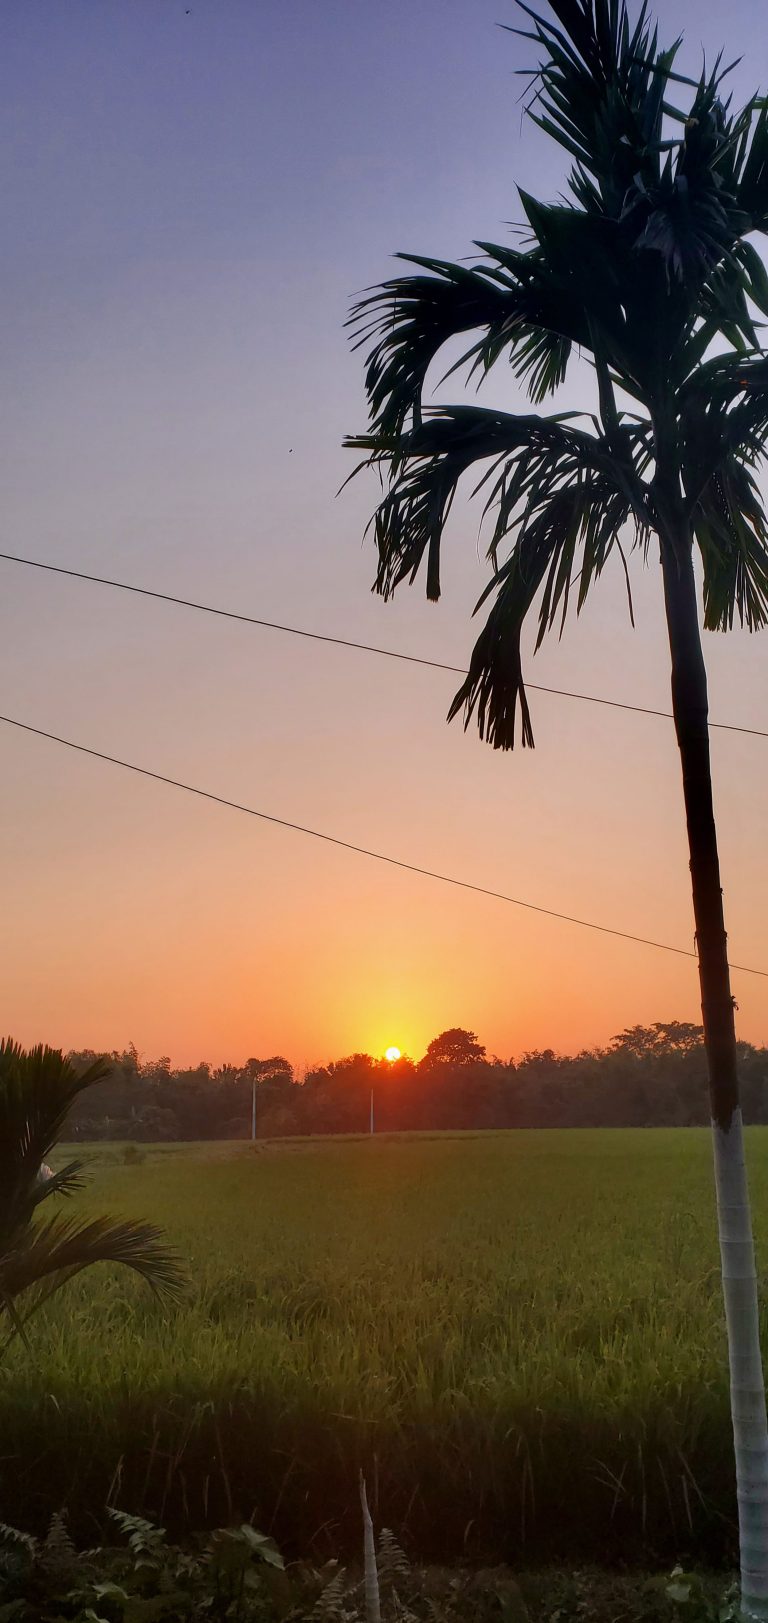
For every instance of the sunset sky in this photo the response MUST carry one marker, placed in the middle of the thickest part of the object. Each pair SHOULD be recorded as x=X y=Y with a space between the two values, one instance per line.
x=192 y=194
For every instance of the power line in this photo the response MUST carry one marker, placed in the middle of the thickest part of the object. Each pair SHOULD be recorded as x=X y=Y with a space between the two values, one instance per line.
x=346 y=642
x=362 y=850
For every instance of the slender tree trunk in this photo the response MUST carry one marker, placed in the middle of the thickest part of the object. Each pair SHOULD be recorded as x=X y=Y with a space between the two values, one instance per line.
x=750 y=1433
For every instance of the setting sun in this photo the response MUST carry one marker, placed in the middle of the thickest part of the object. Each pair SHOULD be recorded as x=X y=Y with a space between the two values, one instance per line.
x=392 y=1054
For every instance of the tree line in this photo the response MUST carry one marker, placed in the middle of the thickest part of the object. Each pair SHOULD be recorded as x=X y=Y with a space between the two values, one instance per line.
x=647 y=1076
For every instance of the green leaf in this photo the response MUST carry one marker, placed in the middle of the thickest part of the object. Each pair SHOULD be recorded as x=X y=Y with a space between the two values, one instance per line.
x=261 y=1545
x=231 y=1549
x=13 y=1538
x=757 y=284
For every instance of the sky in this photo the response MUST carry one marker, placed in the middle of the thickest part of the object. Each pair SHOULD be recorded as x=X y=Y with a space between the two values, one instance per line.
x=192 y=194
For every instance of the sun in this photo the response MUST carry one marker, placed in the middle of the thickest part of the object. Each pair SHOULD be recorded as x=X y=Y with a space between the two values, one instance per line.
x=392 y=1054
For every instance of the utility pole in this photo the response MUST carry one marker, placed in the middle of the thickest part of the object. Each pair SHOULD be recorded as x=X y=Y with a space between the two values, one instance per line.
x=253 y=1109
x=372 y=1126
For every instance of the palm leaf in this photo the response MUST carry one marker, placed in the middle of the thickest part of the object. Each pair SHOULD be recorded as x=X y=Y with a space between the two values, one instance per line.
x=36 y=1259
x=55 y=1251
x=647 y=269
x=599 y=94
x=723 y=411
x=531 y=456
x=69 y=1180
x=580 y=519
x=37 y=1090
x=752 y=187
x=522 y=310
x=730 y=528
x=411 y=319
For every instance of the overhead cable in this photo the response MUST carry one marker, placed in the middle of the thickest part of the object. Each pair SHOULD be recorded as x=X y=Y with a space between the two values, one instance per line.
x=346 y=642
x=362 y=850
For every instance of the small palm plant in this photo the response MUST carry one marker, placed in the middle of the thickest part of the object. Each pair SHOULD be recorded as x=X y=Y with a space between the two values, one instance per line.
x=648 y=269
x=38 y=1253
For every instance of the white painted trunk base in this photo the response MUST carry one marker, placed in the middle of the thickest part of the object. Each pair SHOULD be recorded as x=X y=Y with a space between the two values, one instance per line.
x=750 y=1432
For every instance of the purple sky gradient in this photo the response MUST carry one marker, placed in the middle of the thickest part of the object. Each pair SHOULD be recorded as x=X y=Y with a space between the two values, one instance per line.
x=190 y=201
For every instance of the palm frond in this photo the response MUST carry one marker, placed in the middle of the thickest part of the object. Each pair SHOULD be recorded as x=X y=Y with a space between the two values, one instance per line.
x=723 y=410
x=752 y=184
x=724 y=308
x=599 y=92
x=724 y=424
x=693 y=204
x=602 y=94
x=579 y=520
x=37 y=1090
x=730 y=527
x=647 y=269
x=530 y=457
x=411 y=318
x=53 y=1252
x=514 y=300
x=36 y=1259
x=541 y=360
x=69 y=1180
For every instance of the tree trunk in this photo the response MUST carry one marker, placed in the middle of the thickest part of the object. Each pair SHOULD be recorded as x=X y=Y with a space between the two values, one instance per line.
x=750 y=1433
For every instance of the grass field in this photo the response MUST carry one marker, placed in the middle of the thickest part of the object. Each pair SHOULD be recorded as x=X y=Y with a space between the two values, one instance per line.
x=518 y=1335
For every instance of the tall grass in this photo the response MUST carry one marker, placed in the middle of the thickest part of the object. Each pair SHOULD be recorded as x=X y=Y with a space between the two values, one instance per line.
x=518 y=1336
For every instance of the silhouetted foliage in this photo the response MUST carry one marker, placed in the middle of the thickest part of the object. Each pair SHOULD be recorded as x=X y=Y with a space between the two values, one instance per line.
x=647 y=1076
x=453 y=1047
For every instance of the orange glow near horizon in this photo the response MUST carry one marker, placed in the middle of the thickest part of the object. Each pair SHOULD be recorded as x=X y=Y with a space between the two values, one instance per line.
x=166 y=946
x=178 y=385
x=199 y=934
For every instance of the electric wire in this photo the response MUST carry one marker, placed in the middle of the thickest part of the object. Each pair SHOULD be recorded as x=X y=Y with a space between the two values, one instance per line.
x=362 y=850
x=346 y=642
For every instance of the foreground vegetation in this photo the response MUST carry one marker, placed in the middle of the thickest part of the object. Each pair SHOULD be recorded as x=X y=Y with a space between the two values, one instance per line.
x=40 y=1252
x=518 y=1336
x=239 y=1575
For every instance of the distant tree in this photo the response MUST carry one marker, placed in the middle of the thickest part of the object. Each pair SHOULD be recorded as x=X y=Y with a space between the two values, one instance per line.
x=539 y=1058
x=336 y=1097
x=276 y=1069
x=106 y=1109
x=663 y=1037
x=650 y=1075
x=154 y=1123
x=351 y=1067
x=453 y=1047
x=225 y=1075
x=265 y=1082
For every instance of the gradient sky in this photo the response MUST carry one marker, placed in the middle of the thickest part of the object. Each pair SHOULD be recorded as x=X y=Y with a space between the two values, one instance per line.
x=189 y=201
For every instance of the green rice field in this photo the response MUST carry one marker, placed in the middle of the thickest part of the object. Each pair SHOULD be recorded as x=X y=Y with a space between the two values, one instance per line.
x=517 y=1335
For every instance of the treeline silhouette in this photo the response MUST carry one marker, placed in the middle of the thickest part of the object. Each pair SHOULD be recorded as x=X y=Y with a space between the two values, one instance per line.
x=648 y=1076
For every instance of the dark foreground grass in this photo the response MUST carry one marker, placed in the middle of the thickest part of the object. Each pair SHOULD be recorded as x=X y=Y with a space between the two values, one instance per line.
x=517 y=1335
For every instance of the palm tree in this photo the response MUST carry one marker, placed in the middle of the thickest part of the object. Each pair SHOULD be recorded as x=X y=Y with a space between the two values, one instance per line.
x=37 y=1089
x=647 y=269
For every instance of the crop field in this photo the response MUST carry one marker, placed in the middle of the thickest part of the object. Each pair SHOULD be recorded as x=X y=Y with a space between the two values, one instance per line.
x=517 y=1335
